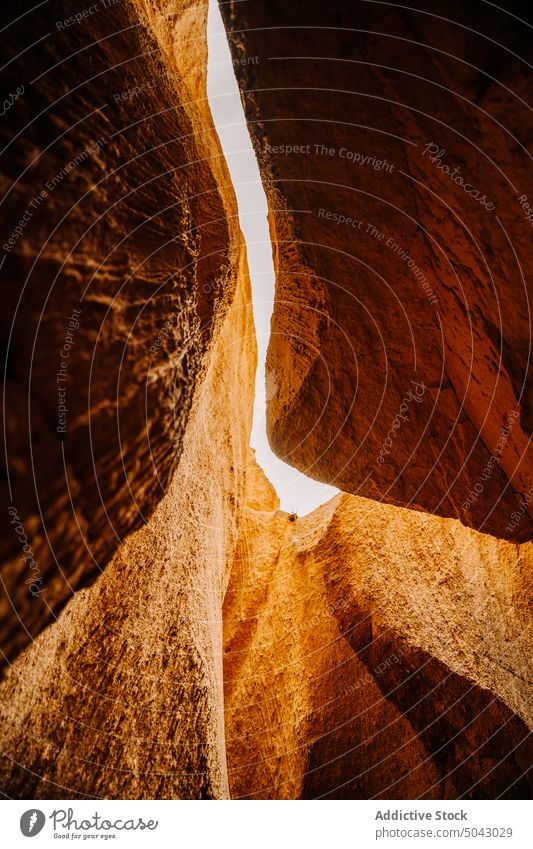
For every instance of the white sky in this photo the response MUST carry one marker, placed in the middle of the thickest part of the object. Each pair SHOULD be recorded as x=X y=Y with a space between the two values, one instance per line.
x=297 y=493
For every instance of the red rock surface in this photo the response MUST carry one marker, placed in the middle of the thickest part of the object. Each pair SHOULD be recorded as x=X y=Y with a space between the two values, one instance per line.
x=429 y=282
x=120 y=696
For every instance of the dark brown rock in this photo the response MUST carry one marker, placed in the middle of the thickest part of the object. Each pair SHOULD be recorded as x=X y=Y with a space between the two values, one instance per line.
x=170 y=632
x=121 y=695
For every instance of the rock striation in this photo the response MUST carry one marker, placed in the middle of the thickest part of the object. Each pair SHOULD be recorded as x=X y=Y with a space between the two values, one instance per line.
x=375 y=652
x=117 y=260
x=167 y=630
x=122 y=696
x=131 y=514
x=394 y=145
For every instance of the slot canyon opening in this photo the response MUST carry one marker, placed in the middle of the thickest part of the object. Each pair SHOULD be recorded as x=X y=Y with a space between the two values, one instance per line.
x=167 y=632
x=298 y=493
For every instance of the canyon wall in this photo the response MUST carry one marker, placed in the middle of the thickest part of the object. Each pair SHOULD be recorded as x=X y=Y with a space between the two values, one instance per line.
x=122 y=696
x=375 y=652
x=168 y=631
x=117 y=260
x=395 y=150
x=119 y=694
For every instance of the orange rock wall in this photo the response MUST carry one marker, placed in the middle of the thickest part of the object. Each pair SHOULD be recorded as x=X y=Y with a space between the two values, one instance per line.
x=393 y=278
x=375 y=652
x=119 y=694
x=171 y=633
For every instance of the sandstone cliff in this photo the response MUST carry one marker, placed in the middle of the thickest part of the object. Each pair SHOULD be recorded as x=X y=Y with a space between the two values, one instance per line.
x=375 y=652
x=395 y=144
x=121 y=696
x=123 y=261
x=168 y=631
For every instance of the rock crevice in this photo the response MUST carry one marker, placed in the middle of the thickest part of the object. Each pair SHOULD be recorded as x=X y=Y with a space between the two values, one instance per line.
x=172 y=633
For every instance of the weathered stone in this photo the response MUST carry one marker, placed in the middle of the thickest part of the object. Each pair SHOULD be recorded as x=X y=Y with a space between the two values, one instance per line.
x=366 y=650
x=121 y=696
x=132 y=241
x=371 y=112
x=375 y=652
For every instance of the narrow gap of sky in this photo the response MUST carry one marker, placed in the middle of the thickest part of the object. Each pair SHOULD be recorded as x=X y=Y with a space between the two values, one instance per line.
x=297 y=493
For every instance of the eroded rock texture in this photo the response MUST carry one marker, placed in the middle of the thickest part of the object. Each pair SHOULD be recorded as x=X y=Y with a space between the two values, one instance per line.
x=121 y=697
x=375 y=652
x=373 y=112
x=111 y=285
x=170 y=633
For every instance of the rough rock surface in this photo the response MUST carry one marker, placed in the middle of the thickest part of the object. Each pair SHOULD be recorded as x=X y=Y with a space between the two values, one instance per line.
x=372 y=651
x=111 y=287
x=429 y=282
x=185 y=638
x=121 y=696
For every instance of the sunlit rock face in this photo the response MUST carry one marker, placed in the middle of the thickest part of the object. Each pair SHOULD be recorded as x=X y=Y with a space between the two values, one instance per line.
x=375 y=652
x=393 y=144
x=122 y=696
x=170 y=633
x=112 y=285
x=135 y=520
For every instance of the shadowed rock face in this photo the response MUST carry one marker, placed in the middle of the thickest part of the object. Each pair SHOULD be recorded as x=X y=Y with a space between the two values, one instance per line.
x=401 y=337
x=111 y=287
x=374 y=652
